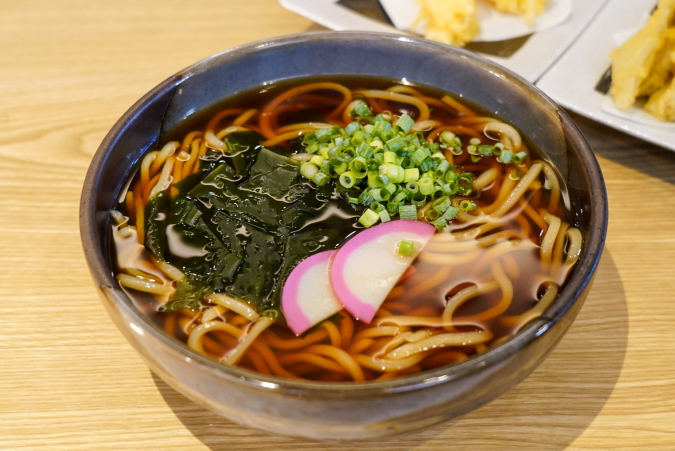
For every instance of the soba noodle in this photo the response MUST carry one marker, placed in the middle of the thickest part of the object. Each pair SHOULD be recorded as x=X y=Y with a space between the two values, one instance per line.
x=482 y=279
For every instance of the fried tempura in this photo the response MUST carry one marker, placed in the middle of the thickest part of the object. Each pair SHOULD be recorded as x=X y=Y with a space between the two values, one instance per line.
x=662 y=68
x=661 y=104
x=455 y=22
x=633 y=61
x=529 y=8
x=450 y=22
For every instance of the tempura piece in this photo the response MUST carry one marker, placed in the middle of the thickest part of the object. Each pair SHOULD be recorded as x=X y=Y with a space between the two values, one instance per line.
x=529 y=8
x=632 y=62
x=450 y=22
x=661 y=104
x=662 y=68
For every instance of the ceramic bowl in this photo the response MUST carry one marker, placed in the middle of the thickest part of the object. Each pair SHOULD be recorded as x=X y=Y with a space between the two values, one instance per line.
x=340 y=411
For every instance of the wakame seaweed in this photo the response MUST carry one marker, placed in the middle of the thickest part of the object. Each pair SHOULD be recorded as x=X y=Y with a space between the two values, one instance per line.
x=189 y=293
x=238 y=225
x=155 y=215
x=242 y=147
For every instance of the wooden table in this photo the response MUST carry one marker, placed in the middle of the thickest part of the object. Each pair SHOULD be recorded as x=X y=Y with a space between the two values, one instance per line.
x=69 y=380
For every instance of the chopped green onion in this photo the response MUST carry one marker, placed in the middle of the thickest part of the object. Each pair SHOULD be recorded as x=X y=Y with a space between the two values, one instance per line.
x=467 y=205
x=446 y=137
x=407 y=212
x=358 y=167
x=365 y=151
x=450 y=213
x=426 y=185
x=440 y=223
x=309 y=170
x=320 y=178
x=432 y=214
x=374 y=164
x=438 y=192
x=361 y=109
x=376 y=207
x=393 y=172
x=323 y=135
x=380 y=194
x=485 y=150
x=405 y=123
x=407 y=164
x=519 y=157
x=347 y=179
x=451 y=177
x=397 y=143
x=419 y=155
x=427 y=165
x=441 y=205
x=317 y=160
x=372 y=176
x=400 y=196
x=313 y=147
x=383 y=117
x=465 y=183
x=390 y=157
x=406 y=248
x=457 y=148
x=352 y=127
x=381 y=180
x=382 y=127
x=418 y=199
x=346 y=155
x=377 y=144
x=505 y=156
x=365 y=198
x=411 y=175
x=442 y=169
x=340 y=167
x=369 y=218
x=393 y=169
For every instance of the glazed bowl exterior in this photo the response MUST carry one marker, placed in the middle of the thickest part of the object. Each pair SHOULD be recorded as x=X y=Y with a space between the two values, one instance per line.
x=340 y=411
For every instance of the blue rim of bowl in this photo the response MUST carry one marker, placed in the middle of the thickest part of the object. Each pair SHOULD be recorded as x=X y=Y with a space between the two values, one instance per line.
x=583 y=273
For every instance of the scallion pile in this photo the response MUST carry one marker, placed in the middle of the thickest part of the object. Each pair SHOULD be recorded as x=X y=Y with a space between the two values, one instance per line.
x=382 y=164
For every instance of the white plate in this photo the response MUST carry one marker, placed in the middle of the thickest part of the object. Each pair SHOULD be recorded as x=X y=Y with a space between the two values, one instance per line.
x=540 y=51
x=572 y=79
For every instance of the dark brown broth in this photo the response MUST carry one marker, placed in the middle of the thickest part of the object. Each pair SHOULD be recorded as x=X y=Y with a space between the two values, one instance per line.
x=527 y=278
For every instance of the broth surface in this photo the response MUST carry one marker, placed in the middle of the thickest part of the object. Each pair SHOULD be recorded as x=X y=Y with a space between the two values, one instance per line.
x=485 y=273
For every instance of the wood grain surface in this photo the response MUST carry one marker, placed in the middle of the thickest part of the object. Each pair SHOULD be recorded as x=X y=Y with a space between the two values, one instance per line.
x=69 y=380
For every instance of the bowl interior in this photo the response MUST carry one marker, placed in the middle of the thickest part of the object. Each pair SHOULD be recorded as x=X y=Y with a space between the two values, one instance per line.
x=368 y=54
